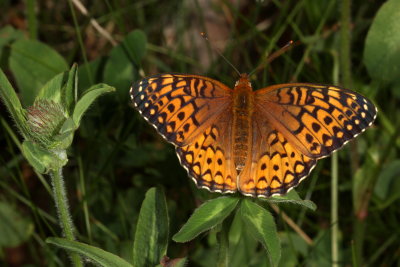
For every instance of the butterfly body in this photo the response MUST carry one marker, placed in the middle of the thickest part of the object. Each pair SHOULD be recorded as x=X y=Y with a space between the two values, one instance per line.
x=260 y=143
x=242 y=112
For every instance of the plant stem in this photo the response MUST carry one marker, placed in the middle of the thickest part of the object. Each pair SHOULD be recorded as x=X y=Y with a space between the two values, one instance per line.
x=223 y=250
x=32 y=21
x=334 y=212
x=345 y=67
x=60 y=198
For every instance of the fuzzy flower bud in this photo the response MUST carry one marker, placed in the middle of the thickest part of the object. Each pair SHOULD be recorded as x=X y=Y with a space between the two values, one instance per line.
x=45 y=119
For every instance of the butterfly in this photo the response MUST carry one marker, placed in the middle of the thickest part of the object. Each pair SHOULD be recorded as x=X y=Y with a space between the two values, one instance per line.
x=261 y=143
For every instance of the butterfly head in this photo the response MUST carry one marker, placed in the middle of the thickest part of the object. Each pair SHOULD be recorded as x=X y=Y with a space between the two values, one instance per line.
x=243 y=82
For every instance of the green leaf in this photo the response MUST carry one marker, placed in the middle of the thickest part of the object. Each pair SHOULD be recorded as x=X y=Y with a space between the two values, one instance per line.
x=70 y=91
x=11 y=101
x=68 y=127
x=151 y=237
x=14 y=228
x=293 y=198
x=119 y=69
x=42 y=159
x=33 y=64
x=242 y=245
x=97 y=255
x=52 y=89
x=7 y=35
x=66 y=134
x=88 y=98
x=262 y=227
x=381 y=54
x=136 y=41
x=387 y=187
x=205 y=217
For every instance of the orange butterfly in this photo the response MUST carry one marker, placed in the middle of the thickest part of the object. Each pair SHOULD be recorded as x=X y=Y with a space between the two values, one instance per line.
x=262 y=143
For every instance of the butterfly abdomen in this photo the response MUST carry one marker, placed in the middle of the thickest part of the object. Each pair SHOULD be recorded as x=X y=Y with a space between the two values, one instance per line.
x=243 y=103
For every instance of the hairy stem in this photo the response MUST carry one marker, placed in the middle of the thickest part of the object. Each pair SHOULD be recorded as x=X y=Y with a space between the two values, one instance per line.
x=60 y=198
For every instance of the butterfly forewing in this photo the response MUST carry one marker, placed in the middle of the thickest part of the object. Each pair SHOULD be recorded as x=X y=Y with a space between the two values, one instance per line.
x=316 y=119
x=180 y=106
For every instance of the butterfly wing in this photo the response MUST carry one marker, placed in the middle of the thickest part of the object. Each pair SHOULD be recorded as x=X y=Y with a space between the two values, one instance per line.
x=192 y=112
x=316 y=119
x=294 y=125
x=180 y=107
x=275 y=165
x=209 y=160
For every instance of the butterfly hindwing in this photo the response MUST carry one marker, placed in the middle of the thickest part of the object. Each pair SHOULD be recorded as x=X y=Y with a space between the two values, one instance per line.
x=276 y=165
x=180 y=106
x=208 y=159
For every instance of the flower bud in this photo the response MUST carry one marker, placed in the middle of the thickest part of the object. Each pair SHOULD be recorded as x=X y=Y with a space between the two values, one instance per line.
x=45 y=119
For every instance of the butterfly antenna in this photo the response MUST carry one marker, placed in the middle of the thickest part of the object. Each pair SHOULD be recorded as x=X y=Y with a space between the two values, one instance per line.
x=204 y=35
x=275 y=55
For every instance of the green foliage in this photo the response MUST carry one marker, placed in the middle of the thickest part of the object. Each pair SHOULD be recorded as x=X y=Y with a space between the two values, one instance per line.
x=151 y=238
x=381 y=54
x=262 y=227
x=33 y=64
x=45 y=125
x=387 y=189
x=124 y=60
x=95 y=255
x=293 y=198
x=14 y=227
x=208 y=215
x=115 y=164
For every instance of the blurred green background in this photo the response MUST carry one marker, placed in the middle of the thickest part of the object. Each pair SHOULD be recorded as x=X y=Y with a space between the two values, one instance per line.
x=116 y=156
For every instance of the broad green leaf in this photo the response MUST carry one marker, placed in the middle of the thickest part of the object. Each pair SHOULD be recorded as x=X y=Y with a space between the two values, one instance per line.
x=97 y=255
x=42 y=159
x=11 y=101
x=120 y=66
x=14 y=228
x=386 y=179
x=261 y=225
x=151 y=237
x=88 y=98
x=205 y=217
x=293 y=198
x=136 y=41
x=387 y=187
x=242 y=245
x=33 y=64
x=381 y=54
